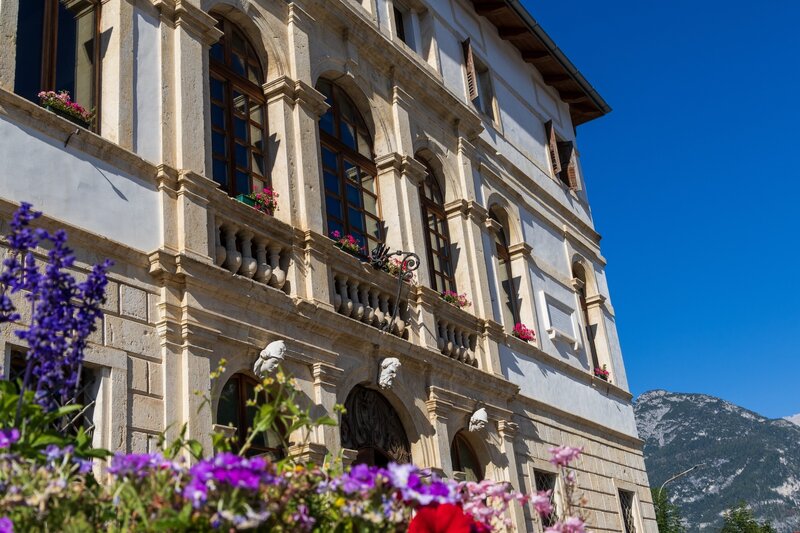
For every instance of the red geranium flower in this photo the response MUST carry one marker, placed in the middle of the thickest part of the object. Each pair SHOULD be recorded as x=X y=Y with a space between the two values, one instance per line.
x=445 y=518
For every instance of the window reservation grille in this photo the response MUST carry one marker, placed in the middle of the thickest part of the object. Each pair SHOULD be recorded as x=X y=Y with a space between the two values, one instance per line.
x=545 y=481
x=627 y=507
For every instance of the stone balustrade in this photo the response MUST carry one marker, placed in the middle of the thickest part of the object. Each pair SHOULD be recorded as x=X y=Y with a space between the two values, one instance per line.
x=250 y=244
x=456 y=341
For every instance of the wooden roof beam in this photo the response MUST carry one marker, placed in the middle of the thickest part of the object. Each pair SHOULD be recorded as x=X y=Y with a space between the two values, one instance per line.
x=508 y=32
x=538 y=56
x=486 y=8
x=550 y=79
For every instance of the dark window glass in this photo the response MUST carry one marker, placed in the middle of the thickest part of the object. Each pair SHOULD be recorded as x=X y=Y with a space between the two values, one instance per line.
x=351 y=196
x=464 y=458
x=545 y=481
x=399 y=25
x=233 y=410
x=238 y=110
x=508 y=285
x=437 y=236
x=56 y=49
x=590 y=329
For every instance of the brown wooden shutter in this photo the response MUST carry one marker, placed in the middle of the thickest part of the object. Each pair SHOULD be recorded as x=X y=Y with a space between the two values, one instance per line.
x=552 y=144
x=472 y=78
x=569 y=166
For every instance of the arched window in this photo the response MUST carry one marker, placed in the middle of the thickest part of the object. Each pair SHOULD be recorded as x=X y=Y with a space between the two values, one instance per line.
x=437 y=236
x=579 y=275
x=233 y=410
x=238 y=113
x=508 y=285
x=57 y=49
x=373 y=428
x=464 y=458
x=348 y=168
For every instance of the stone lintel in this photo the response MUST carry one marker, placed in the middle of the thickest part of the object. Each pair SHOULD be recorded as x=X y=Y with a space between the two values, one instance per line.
x=521 y=249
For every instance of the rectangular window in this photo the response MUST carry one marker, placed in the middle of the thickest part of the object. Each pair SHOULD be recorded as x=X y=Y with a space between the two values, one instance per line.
x=545 y=481
x=479 y=82
x=626 y=503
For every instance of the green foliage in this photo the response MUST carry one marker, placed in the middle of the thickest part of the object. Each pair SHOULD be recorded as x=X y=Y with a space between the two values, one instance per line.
x=668 y=515
x=740 y=519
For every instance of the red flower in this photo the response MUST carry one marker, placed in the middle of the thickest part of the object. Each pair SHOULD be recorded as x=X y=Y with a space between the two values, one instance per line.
x=445 y=518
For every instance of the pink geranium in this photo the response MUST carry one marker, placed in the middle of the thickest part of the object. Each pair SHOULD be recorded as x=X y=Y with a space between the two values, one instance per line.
x=62 y=102
x=459 y=300
x=265 y=200
x=524 y=333
x=348 y=243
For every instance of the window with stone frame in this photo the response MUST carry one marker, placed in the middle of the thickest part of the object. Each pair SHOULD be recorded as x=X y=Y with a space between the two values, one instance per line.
x=348 y=170
x=238 y=113
x=546 y=481
x=562 y=157
x=464 y=458
x=479 y=83
x=237 y=407
x=579 y=277
x=627 y=504
x=509 y=286
x=57 y=49
x=437 y=234
x=86 y=395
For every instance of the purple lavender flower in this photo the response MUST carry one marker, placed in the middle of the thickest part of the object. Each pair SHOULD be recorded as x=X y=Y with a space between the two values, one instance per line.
x=406 y=478
x=226 y=469
x=137 y=465
x=8 y=437
x=63 y=312
x=302 y=518
x=6 y=525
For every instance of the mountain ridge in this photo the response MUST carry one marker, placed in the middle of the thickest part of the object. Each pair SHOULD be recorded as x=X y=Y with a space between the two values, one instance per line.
x=743 y=456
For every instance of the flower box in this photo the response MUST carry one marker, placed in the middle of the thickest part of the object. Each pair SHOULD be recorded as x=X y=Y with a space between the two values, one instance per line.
x=63 y=114
x=523 y=333
x=602 y=373
x=245 y=199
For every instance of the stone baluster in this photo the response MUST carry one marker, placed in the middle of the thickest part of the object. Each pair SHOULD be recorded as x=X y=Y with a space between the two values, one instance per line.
x=347 y=302
x=451 y=338
x=377 y=320
x=385 y=308
x=219 y=249
x=233 y=259
x=358 y=307
x=369 y=312
x=337 y=297
x=249 y=263
x=400 y=321
x=278 y=275
x=441 y=335
x=264 y=270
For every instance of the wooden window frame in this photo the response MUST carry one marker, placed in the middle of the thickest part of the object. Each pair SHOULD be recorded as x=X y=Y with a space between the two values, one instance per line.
x=587 y=326
x=49 y=63
x=345 y=153
x=433 y=208
x=503 y=255
x=234 y=82
x=456 y=459
x=243 y=427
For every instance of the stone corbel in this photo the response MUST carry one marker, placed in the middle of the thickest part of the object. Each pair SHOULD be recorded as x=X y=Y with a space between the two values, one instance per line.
x=493 y=226
x=391 y=162
x=598 y=300
x=477 y=212
x=413 y=170
x=577 y=284
x=457 y=208
x=521 y=249
x=508 y=430
x=183 y=14
x=326 y=376
x=167 y=179
x=308 y=452
x=310 y=99
x=280 y=88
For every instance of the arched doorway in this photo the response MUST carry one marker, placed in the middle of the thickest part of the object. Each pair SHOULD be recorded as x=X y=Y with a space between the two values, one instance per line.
x=235 y=409
x=373 y=428
x=464 y=458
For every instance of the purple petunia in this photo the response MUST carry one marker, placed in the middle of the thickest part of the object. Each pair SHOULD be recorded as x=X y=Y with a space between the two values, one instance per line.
x=407 y=479
x=137 y=465
x=8 y=437
x=6 y=525
x=226 y=469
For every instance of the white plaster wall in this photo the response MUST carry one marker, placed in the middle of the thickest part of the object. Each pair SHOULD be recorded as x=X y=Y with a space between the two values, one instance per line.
x=544 y=383
x=147 y=117
x=78 y=189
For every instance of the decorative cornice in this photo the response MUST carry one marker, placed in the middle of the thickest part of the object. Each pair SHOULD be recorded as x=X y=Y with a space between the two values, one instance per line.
x=457 y=207
x=413 y=170
x=493 y=226
x=595 y=301
x=327 y=375
x=309 y=98
x=389 y=162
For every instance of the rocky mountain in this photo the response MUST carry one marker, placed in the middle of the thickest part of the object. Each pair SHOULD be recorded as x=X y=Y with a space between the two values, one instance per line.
x=744 y=456
x=795 y=419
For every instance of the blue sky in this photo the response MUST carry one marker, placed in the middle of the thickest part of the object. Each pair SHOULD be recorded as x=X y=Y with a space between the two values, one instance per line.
x=694 y=186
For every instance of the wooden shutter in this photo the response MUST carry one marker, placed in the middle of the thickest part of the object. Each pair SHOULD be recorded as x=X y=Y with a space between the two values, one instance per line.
x=472 y=78
x=569 y=170
x=552 y=144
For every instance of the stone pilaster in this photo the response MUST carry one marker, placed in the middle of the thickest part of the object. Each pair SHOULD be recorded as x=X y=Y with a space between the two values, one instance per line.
x=326 y=381
x=9 y=10
x=439 y=411
x=508 y=431
x=463 y=218
x=521 y=263
x=117 y=24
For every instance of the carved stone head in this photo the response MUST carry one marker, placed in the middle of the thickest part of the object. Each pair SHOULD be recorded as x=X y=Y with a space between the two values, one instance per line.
x=479 y=420
x=389 y=368
x=269 y=359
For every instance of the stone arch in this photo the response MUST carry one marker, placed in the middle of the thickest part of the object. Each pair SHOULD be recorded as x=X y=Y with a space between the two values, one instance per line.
x=372 y=109
x=373 y=427
x=446 y=171
x=480 y=444
x=508 y=216
x=251 y=19
x=587 y=269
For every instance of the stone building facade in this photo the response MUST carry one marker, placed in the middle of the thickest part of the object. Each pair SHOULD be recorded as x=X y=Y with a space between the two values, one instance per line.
x=440 y=127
